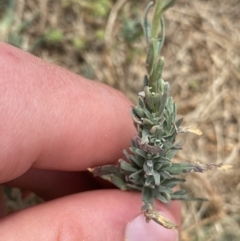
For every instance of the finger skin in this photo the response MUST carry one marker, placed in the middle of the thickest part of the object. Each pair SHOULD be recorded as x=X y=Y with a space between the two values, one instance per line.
x=54 y=119
x=97 y=215
x=50 y=184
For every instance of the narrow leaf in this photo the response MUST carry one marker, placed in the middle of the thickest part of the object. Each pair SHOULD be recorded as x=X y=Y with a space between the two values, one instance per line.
x=146 y=24
x=133 y=187
x=127 y=166
x=170 y=183
x=116 y=180
x=156 y=177
x=148 y=169
x=150 y=57
x=165 y=174
x=105 y=170
x=138 y=111
x=148 y=181
x=137 y=151
x=164 y=189
x=164 y=98
x=141 y=102
x=148 y=98
x=179 y=122
x=147 y=197
x=178 y=168
x=168 y=4
x=160 y=197
x=137 y=161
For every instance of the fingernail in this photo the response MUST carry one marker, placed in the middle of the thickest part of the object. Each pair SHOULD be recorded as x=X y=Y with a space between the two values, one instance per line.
x=139 y=230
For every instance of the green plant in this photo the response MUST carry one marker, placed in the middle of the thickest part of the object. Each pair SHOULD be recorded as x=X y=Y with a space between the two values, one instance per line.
x=11 y=29
x=149 y=168
x=98 y=8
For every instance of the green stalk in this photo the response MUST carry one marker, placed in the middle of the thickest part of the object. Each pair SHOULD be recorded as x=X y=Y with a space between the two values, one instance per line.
x=148 y=167
x=156 y=17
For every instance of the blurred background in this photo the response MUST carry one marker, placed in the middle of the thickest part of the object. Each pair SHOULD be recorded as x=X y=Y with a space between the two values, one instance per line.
x=103 y=40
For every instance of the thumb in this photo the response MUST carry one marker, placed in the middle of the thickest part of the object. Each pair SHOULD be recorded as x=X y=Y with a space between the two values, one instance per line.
x=95 y=215
x=139 y=230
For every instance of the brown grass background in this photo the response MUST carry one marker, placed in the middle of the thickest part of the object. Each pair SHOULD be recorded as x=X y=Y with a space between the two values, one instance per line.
x=103 y=40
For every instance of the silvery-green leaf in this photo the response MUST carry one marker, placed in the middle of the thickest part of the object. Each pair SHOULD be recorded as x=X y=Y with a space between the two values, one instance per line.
x=126 y=154
x=172 y=182
x=145 y=82
x=133 y=187
x=156 y=176
x=171 y=153
x=148 y=181
x=148 y=169
x=165 y=174
x=166 y=164
x=138 y=161
x=141 y=94
x=178 y=168
x=137 y=173
x=149 y=163
x=168 y=4
x=148 y=98
x=134 y=144
x=137 y=180
x=149 y=156
x=188 y=198
x=146 y=121
x=127 y=166
x=156 y=157
x=141 y=102
x=159 y=133
x=156 y=72
x=169 y=135
x=150 y=57
x=181 y=192
x=147 y=29
x=157 y=99
x=179 y=122
x=138 y=111
x=180 y=195
x=162 y=189
x=170 y=122
x=160 y=197
x=166 y=195
x=164 y=98
x=145 y=135
x=167 y=145
x=136 y=119
x=147 y=196
x=157 y=166
x=106 y=170
x=164 y=159
x=170 y=107
x=116 y=180
x=155 y=130
x=147 y=26
x=138 y=151
x=147 y=114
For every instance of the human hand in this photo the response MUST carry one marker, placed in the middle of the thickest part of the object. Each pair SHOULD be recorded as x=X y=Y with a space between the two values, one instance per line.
x=55 y=125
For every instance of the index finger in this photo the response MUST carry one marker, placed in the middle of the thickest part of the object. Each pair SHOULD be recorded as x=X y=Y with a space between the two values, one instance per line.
x=54 y=119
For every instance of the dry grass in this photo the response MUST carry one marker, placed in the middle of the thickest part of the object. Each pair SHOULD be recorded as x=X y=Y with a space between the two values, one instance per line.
x=202 y=53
